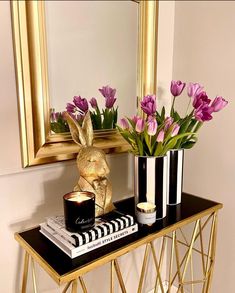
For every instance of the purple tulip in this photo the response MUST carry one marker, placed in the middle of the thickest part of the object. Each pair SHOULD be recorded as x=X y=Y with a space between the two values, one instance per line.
x=175 y=129
x=124 y=123
x=93 y=103
x=71 y=108
x=140 y=124
x=81 y=103
x=152 y=126
x=194 y=89
x=218 y=104
x=107 y=92
x=201 y=99
x=109 y=102
x=148 y=104
x=168 y=123
x=203 y=113
x=177 y=87
x=161 y=135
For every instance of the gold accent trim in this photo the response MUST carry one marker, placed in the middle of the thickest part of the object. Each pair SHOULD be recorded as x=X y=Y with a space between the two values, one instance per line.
x=39 y=146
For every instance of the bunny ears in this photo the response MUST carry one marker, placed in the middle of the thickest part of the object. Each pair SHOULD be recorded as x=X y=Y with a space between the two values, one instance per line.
x=83 y=136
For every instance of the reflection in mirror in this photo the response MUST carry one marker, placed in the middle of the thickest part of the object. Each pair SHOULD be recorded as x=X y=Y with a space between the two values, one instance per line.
x=91 y=44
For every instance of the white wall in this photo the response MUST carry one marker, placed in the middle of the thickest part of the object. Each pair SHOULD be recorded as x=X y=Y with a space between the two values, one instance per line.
x=29 y=195
x=204 y=47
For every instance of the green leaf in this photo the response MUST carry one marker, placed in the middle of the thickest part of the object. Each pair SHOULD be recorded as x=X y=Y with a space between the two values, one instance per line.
x=159 y=149
x=188 y=144
x=176 y=117
x=163 y=113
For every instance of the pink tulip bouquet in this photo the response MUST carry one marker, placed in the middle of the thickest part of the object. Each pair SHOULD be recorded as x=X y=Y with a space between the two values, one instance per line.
x=200 y=109
x=147 y=136
x=154 y=133
x=101 y=118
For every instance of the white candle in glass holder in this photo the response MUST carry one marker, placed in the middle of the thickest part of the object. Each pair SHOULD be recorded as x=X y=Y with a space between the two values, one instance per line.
x=146 y=213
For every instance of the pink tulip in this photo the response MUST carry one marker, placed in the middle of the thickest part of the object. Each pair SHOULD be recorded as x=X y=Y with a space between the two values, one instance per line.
x=168 y=123
x=201 y=99
x=124 y=123
x=71 y=108
x=152 y=126
x=135 y=119
x=93 y=103
x=140 y=124
x=177 y=87
x=194 y=89
x=81 y=103
x=107 y=92
x=161 y=135
x=218 y=104
x=203 y=113
x=175 y=129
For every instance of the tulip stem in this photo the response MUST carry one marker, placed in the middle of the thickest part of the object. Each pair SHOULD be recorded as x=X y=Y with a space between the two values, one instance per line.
x=188 y=107
x=172 y=107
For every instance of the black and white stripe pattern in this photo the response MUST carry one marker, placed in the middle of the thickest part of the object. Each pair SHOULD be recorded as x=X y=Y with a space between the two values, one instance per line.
x=151 y=182
x=103 y=229
x=175 y=176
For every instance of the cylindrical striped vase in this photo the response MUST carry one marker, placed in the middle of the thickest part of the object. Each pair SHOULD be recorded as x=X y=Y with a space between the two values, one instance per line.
x=175 y=176
x=150 y=182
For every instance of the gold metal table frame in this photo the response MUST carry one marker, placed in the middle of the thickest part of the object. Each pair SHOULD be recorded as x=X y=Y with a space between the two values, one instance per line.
x=181 y=243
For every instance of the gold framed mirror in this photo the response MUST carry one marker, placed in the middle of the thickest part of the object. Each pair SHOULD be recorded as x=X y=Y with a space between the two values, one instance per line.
x=39 y=145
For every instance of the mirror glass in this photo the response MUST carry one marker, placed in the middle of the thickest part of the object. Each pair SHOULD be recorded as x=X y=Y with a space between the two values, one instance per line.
x=91 y=44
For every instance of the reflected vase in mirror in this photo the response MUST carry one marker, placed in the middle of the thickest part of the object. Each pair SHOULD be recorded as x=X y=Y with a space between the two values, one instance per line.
x=102 y=118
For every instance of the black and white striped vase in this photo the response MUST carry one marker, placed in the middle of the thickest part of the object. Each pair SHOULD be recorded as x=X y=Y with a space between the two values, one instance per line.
x=175 y=176
x=150 y=182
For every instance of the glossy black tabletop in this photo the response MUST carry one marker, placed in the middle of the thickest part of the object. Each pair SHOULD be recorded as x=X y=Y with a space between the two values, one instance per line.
x=63 y=264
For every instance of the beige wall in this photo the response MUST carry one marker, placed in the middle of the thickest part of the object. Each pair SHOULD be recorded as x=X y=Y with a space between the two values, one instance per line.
x=204 y=47
x=29 y=195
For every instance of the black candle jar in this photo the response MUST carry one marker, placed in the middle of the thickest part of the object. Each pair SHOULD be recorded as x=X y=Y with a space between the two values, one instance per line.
x=79 y=211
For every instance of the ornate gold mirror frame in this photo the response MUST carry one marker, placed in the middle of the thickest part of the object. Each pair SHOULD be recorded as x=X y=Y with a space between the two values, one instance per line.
x=39 y=146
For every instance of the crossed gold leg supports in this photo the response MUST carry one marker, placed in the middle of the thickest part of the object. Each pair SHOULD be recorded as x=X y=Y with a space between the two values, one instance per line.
x=180 y=262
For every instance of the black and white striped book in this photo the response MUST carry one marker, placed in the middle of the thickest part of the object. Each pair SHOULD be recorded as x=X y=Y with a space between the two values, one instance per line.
x=72 y=251
x=104 y=225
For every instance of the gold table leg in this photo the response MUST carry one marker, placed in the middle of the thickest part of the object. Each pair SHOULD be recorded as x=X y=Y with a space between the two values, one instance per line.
x=67 y=287
x=34 y=276
x=75 y=286
x=84 y=289
x=112 y=277
x=25 y=272
x=119 y=275
x=144 y=265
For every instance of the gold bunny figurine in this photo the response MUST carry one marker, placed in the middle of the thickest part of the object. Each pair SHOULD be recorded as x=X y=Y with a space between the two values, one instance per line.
x=92 y=165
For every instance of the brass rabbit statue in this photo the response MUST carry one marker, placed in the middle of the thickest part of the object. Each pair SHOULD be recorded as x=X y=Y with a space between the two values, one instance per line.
x=92 y=165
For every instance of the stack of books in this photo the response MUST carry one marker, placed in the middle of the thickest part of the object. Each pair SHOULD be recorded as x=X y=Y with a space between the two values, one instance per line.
x=108 y=228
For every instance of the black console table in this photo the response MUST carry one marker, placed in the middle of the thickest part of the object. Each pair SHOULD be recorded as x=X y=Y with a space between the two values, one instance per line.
x=200 y=214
